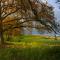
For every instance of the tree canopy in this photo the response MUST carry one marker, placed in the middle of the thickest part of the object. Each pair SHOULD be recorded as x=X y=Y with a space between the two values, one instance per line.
x=23 y=13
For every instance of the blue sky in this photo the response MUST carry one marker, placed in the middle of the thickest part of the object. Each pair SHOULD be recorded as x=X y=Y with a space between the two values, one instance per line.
x=56 y=8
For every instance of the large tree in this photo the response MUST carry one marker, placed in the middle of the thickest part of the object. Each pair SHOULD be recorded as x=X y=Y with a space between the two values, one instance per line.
x=24 y=13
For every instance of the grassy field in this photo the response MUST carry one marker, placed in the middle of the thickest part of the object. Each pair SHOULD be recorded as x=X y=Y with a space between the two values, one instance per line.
x=33 y=38
x=41 y=53
x=34 y=41
x=29 y=47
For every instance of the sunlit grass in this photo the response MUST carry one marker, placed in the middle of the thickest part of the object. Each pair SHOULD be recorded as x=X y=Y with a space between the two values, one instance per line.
x=32 y=38
x=33 y=41
x=29 y=47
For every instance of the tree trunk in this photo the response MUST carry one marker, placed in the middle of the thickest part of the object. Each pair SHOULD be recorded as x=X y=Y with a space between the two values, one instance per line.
x=55 y=37
x=2 y=45
x=2 y=37
x=1 y=27
x=1 y=33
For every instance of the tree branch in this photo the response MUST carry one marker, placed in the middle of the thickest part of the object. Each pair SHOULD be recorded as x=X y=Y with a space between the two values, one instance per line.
x=9 y=14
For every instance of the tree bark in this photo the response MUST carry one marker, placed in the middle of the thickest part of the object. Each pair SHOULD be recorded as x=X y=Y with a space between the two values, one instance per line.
x=1 y=37
x=1 y=28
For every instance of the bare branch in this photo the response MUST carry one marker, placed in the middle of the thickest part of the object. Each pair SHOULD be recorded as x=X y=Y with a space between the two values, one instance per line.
x=10 y=14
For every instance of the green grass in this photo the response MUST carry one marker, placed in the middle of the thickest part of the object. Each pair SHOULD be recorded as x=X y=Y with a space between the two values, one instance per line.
x=29 y=47
x=41 y=53
x=30 y=39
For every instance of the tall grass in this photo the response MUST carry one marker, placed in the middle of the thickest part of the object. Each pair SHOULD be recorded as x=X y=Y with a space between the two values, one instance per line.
x=41 y=53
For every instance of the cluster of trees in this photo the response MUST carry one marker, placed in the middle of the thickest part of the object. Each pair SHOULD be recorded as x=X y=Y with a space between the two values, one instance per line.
x=15 y=15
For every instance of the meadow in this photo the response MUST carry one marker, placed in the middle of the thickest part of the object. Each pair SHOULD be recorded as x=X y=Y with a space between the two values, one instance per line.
x=34 y=40
x=29 y=47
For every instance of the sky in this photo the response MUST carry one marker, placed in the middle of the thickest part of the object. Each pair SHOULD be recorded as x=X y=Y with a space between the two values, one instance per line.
x=56 y=8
